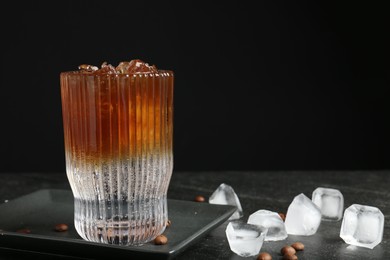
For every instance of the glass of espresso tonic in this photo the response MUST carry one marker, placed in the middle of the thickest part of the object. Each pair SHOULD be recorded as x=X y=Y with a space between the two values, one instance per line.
x=118 y=126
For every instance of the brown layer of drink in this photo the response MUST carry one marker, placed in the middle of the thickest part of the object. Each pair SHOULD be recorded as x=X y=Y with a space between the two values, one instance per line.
x=116 y=115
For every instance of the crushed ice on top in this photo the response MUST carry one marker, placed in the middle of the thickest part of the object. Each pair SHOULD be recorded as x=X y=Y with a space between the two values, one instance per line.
x=124 y=67
x=225 y=195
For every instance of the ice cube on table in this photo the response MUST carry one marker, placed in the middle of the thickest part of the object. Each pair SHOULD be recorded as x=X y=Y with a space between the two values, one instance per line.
x=303 y=216
x=272 y=221
x=245 y=239
x=225 y=195
x=362 y=226
x=330 y=201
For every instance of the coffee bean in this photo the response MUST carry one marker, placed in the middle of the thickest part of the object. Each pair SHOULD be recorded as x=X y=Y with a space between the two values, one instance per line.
x=282 y=216
x=169 y=223
x=200 y=198
x=264 y=256
x=161 y=240
x=110 y=233
x=290 y=257
x=288 y=250
x=298 y=246
x=61 y=227
x=24 y=231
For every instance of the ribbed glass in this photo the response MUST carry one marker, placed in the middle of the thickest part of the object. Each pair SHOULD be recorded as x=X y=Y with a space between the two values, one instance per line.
x=118 y=146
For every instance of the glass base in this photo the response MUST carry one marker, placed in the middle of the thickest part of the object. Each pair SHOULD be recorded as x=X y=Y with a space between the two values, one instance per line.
x=121 y=222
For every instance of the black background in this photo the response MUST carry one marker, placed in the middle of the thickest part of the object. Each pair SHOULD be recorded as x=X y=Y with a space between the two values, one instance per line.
x=259 y=85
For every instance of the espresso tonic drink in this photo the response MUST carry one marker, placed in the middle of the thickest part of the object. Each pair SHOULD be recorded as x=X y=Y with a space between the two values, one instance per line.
x=118 y=145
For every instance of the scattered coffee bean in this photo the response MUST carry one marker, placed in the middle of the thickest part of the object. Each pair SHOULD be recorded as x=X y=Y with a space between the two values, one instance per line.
x=282 y=216
x=288 y=250
x=298 y=246
x=200 y=198
x=290 y=257
x=61 y=227
x=264 y=256
x=161 y=240
x=110 y=232
x=24 y=231
x=169 y=223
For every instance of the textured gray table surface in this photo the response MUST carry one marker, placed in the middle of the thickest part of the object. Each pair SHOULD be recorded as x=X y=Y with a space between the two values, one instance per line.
x=256 y=190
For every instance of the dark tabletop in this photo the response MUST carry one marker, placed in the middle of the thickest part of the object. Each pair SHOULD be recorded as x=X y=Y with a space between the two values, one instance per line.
x=256 y=190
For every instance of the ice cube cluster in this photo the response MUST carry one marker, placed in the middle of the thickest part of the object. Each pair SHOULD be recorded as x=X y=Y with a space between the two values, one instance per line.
x=362 y=225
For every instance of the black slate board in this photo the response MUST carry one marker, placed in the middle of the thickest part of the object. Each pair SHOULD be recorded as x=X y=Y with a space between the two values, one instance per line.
x=40 y=211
